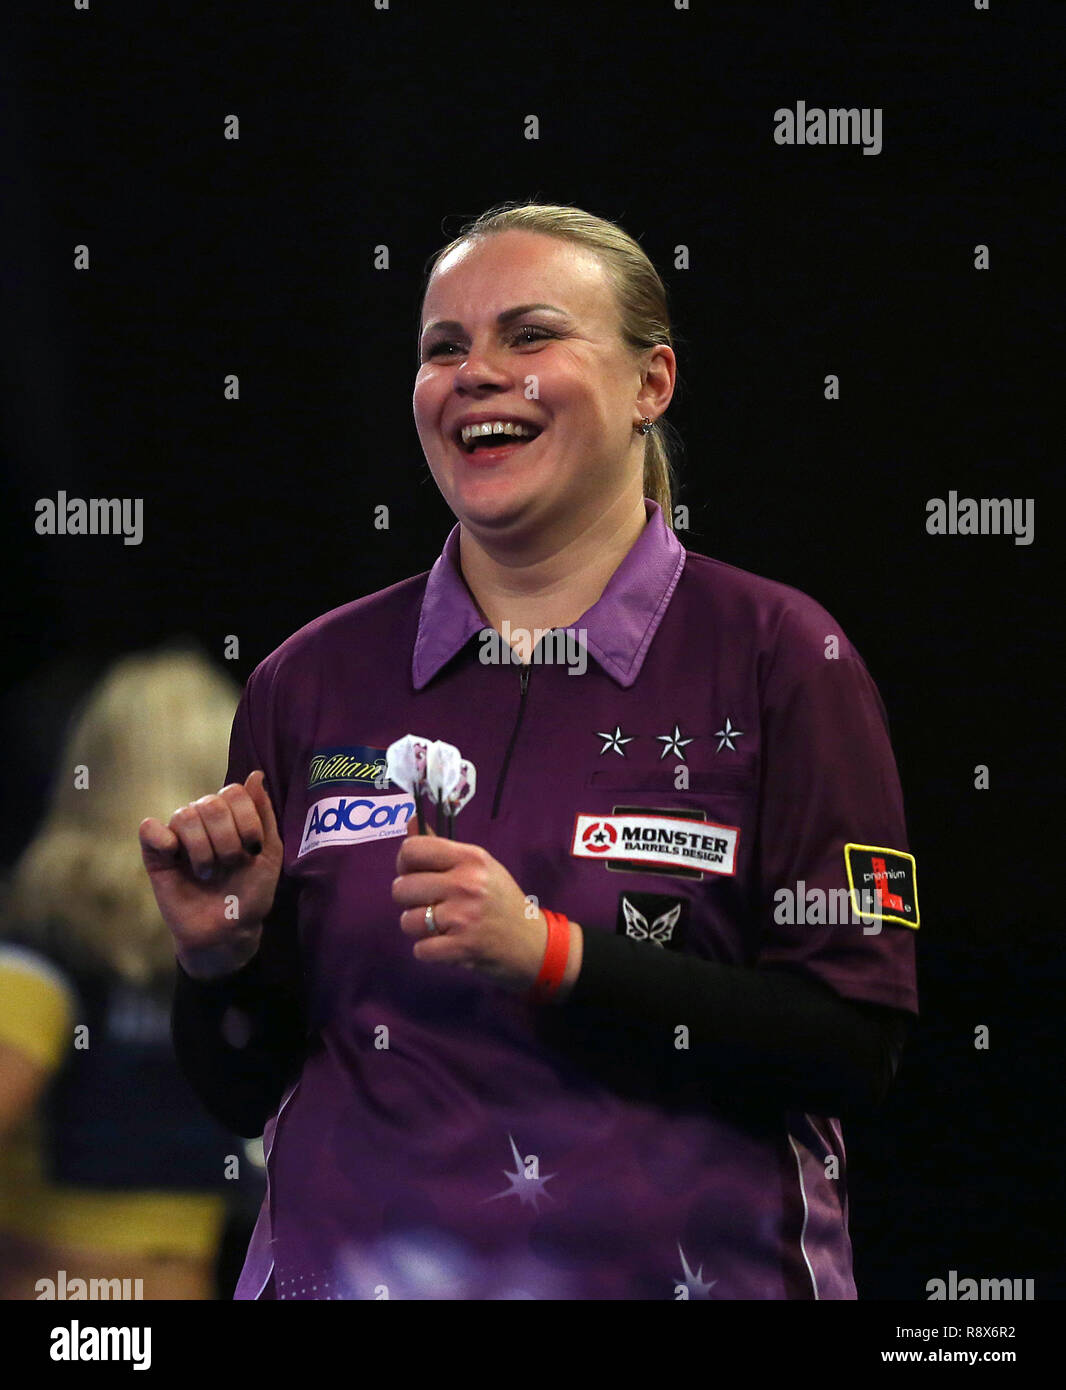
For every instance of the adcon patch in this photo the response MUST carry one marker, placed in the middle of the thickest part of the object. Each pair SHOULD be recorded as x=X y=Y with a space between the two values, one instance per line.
x=882 y=884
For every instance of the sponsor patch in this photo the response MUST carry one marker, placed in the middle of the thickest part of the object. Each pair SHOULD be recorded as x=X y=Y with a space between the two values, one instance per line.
x=666 y=840
x=889 y=872
x=355 y=764
x=353 y=820
x=653 y=917
x=626 y=866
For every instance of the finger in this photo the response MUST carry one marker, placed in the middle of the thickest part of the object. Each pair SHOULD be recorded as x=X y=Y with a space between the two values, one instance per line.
x=189 y=828
x=445 y=949
x=217 y=819
x=413 y=921
x=413 y=890
x=427 y=829
x=245 y=817
x=428 y=852
x=255 y=785
x=160 y=847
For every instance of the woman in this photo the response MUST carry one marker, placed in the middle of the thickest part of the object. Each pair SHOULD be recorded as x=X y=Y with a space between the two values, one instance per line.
x=108 y=1167
x=704 y=753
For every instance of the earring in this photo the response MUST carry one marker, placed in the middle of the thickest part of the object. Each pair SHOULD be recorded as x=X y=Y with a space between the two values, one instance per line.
x=644 y=426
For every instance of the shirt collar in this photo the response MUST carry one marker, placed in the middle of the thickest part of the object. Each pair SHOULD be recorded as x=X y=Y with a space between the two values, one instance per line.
x=618 y=627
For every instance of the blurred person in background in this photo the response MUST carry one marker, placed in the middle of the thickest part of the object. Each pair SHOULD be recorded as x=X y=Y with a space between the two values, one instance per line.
x=109 y=1168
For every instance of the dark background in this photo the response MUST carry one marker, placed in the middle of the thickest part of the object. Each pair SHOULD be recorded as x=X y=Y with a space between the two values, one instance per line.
x=361 y=127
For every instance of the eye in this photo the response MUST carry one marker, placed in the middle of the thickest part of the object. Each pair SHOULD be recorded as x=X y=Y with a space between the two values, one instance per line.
x=532 y=328
x=445 y=346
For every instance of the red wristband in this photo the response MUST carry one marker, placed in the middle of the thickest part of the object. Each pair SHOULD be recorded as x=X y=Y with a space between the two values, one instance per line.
x=556 y=954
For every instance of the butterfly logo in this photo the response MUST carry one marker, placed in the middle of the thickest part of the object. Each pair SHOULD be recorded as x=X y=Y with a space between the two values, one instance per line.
x=661 y=929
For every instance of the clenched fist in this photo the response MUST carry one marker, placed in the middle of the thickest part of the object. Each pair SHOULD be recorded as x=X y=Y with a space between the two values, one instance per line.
x=214 y=869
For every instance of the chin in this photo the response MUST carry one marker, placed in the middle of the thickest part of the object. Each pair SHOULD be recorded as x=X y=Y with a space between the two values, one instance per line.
x=490 y=511
x=496 y=507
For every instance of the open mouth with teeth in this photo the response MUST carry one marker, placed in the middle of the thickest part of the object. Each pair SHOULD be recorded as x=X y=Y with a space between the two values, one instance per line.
x=494 y=436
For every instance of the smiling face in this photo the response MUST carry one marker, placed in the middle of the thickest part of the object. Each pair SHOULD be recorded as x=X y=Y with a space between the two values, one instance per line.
x=524 y=327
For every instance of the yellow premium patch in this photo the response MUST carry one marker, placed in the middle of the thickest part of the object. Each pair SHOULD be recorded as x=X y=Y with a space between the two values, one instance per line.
x=882 y=883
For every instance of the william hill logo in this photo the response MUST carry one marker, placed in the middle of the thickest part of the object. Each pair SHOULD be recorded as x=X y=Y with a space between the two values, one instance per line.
x=358 y=764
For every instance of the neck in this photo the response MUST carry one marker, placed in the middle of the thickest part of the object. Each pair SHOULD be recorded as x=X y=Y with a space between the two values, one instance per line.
x=550 y=583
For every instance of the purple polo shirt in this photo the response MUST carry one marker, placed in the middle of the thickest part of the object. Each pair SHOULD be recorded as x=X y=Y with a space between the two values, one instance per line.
x=722 y=760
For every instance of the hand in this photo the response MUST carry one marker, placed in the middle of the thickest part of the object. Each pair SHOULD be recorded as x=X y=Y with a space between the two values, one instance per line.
x=481 y=914
x=214 y=868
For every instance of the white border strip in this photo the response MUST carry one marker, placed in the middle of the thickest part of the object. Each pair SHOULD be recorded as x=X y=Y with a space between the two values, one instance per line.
x=803 y=1232
x=266 y=1165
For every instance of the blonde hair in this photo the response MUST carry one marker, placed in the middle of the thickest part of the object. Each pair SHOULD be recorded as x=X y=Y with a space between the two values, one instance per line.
x=639 y=293
x=152 y=735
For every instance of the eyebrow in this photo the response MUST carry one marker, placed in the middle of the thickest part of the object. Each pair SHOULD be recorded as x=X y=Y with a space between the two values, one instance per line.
x=502 y=320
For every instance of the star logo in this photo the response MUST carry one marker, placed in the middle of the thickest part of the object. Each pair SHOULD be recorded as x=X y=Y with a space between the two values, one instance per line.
x=613 y=742
x=673 y=743
x=525 y=1188
x=600 y=836
x=727 y=735
x=694 y=1282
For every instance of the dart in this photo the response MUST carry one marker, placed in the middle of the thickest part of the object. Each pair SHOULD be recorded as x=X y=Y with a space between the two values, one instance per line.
x=460 y=794
x=406 y=764
x=418 y=765
x=442 y=775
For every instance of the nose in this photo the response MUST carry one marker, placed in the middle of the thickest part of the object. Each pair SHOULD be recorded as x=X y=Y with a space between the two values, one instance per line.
x=482 y=366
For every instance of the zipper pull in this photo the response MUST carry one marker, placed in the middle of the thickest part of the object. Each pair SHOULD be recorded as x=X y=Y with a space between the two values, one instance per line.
x=525 y=679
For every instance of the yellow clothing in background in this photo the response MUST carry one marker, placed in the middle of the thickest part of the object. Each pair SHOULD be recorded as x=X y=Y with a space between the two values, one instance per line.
x=38 y=1012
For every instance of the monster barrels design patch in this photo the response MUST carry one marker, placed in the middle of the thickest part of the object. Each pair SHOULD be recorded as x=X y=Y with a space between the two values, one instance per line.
x=657 y=839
